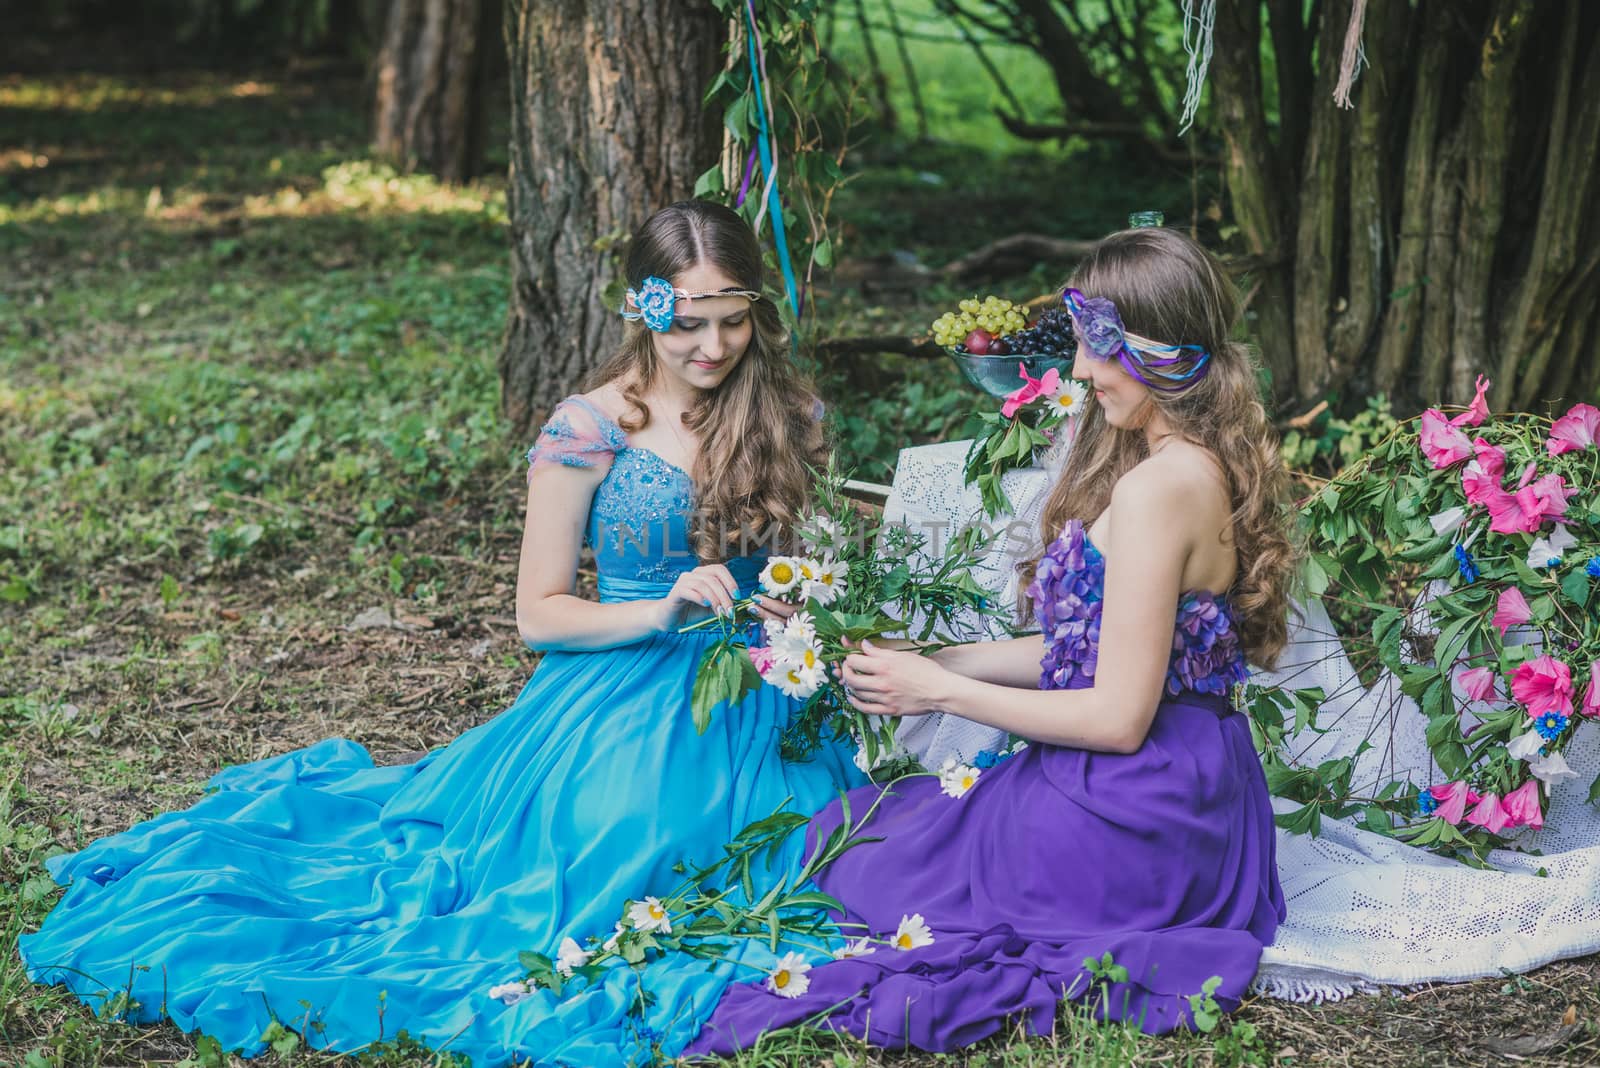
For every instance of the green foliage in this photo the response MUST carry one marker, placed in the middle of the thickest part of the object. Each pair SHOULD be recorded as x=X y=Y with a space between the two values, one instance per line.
x=1417 y=600
x=720 y=902
x=1330 y=443
x=808 y=107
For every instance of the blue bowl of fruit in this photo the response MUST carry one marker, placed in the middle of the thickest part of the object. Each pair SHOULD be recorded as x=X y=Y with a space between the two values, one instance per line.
x=988 y=339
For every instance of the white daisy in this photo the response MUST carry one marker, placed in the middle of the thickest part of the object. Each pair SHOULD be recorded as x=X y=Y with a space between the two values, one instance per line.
x=797 y=681
x=790 y=645
x=827 y=584
x=789 y=978
x=780 y=576
x=861 y=947
x=913 y=933
x=510 y=993
x=956 y=779
x=801 y=625
x=1068 y=398
x=819 y=532
x=649 y=915
x=570 y=956
x=610 y=944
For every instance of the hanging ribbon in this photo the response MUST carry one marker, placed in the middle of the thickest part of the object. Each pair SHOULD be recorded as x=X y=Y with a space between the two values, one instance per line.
x=749 y=169
x=769 y=162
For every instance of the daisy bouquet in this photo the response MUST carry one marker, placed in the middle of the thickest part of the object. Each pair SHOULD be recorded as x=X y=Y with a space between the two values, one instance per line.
x=1029 y=419
x=1469 y=546
x=856 y=580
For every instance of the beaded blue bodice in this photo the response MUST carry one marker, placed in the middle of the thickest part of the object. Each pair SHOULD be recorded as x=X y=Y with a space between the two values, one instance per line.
x=638 y=523
x=1067 y=593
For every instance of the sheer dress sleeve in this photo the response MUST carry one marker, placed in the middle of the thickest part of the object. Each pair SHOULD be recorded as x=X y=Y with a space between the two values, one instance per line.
x=577 y=434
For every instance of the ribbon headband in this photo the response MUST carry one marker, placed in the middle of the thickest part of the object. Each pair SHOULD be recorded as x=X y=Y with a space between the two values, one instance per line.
x=1169 y=368
x=656 y=300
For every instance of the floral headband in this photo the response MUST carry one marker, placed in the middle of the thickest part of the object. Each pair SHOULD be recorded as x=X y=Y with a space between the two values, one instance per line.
x=1169 y=368
x=657 y=298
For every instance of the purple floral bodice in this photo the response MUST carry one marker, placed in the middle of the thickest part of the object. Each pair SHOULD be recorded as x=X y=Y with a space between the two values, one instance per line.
x=1067 y=592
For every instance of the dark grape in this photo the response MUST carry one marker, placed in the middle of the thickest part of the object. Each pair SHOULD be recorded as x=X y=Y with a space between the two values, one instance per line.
x=1049 y=335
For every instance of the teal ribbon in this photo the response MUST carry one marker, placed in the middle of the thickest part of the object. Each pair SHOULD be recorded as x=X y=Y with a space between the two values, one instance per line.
x=763 y=142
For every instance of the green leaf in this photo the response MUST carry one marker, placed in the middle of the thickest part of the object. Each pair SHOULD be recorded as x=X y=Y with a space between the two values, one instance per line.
x=1388 y=627
x=1543 y=608
x=1304 y=820
x=170 y=591
x=1453 y=637
x=1594 y=791
x=822 y=253
x=1576 y=587
x=710 y=183
x=725 y=675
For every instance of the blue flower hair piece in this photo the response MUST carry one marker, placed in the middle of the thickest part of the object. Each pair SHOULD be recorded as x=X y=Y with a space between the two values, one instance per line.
x=655 y=299
x=1169 y=368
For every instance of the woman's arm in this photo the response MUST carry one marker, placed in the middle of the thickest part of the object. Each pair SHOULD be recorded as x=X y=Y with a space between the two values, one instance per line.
x=549 y=614
x=1008 y=662
x=1152 y=540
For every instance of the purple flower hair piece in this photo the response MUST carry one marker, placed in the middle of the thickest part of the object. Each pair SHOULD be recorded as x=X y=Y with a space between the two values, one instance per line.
x=1168 y=368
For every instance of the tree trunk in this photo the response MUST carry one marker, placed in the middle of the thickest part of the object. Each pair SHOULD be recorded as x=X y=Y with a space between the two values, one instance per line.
x=1256 y=183
x=1443 y=228
x=606 y=127
x=430 y=108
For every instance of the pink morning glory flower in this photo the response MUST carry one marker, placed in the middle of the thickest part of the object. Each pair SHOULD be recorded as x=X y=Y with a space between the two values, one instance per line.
x=762 y=657
x=1591 y=696
x=1521 y=806
x=1543 y=685
x=1578 y=429
x=1031 y=389
x=1481 y=478
x=1477 y=683
x=1511 y=610
x=1489 y=814
x=1442 y=443
x=1478 y=410
x=1453 y=800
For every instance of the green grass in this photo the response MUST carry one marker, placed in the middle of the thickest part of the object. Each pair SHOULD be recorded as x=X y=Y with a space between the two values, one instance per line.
x=247 y=391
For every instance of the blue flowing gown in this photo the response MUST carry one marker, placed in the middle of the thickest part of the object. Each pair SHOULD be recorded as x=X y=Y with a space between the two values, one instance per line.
x=349 y=901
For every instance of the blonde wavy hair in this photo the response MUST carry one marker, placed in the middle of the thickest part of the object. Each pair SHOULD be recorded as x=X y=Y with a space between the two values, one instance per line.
x=759 y=433
x=1167 y=288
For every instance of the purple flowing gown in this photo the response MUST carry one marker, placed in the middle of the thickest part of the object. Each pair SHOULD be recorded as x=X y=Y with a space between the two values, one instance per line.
x=1163 y=858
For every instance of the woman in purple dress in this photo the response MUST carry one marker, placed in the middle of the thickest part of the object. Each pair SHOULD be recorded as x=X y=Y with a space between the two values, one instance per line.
x=1137 y=821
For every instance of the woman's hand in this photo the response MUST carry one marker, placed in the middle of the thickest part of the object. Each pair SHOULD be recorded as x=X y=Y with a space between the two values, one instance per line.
x=887 y=682
x=709 y=586
x=768 y=608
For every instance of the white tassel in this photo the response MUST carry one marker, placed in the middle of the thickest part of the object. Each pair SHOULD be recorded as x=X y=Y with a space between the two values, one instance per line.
x=1197 y=34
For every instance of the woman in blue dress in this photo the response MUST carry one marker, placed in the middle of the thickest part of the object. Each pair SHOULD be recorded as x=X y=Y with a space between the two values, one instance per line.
x=348 y=901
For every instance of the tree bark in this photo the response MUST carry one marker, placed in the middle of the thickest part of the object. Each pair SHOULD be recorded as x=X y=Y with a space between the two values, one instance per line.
x=1487 y=124
x=1256 y=183
x=1398 y=338
x=430 y=112
x=1572 y=155
x=606 y=127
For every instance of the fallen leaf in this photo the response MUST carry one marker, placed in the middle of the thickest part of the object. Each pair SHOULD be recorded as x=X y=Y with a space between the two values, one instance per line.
x=418 y=622
x=1570 y=1017
x=1528 y=1045
x=229 y=614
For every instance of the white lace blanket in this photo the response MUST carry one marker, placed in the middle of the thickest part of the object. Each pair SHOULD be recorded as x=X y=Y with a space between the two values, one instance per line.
x=1364 y=910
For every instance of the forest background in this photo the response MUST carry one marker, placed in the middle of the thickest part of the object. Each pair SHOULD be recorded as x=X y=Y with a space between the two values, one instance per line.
x=264 y=319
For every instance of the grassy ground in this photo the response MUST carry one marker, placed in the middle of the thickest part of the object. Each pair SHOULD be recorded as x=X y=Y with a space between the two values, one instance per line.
x=253 y=493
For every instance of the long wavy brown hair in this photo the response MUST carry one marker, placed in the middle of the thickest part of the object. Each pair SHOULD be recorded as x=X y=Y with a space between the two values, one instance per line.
x=758 y=430
x=1167 y=288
